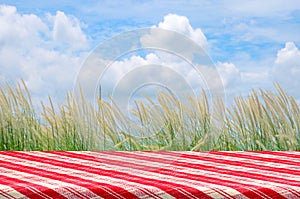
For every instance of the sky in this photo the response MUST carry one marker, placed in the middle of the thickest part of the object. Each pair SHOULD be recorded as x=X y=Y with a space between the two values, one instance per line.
x=252 y=44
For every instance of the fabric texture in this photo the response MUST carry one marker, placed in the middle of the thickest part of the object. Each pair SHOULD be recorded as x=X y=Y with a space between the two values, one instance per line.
x=148 y=174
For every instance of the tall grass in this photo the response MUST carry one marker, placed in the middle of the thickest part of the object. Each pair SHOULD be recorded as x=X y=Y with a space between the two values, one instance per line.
x=263 y=120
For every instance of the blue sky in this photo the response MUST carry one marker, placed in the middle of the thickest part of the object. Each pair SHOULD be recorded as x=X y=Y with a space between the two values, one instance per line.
x=252 y=43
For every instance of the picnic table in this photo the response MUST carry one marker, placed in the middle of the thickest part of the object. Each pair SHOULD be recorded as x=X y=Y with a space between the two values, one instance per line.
x=149 y=174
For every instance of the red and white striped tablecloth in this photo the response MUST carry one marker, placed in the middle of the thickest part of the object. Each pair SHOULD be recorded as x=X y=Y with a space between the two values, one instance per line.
x=149 y=174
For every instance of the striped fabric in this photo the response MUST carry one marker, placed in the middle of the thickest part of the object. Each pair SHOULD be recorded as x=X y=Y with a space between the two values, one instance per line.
x=149 y=174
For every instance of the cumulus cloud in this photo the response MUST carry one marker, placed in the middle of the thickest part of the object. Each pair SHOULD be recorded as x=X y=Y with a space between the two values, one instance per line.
x=20 y=30
x=154 y=68
x=42 y=51
x=289 y=56
x=182 y=25
x=67 y=30
x=286 y=70
x=176 y=34
x=229 y=73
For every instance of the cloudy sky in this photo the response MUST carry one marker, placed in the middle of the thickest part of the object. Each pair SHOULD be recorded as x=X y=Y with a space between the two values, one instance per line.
x=251 y=43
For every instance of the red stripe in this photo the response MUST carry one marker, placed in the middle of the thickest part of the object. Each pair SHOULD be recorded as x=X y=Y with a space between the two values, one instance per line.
x=251 y=157
x=170 y=188
x=94 y=187
x=24 y=187
x=228 y=162
x=163 y=171
x=234 y=173
x=237 y=163
x=295 y=154
x=211 y=168
x=201 y=178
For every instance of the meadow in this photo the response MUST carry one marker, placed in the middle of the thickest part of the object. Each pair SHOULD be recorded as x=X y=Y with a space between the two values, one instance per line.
x=263 y=120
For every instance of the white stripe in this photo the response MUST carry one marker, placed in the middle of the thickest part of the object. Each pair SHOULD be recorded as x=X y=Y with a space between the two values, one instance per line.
x=146 y=174
x=38 y=192
x=129 y=186
x=58 y=186
x=186 y=170
x=158 y=165
x=256 y=162
x=9 y=192
x=116 y=167
x=274 y=156
x=226 y=166
x=110 y=167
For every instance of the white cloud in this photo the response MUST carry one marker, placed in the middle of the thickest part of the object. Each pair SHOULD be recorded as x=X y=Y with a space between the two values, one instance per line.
x=287 y=68
x=20 y=31
x=67 y=30
x=289 y=56
x=137 y=69
x=176 y=34
x=182 y=25
x=50 y=71
x=46 y=54
x=229 y=73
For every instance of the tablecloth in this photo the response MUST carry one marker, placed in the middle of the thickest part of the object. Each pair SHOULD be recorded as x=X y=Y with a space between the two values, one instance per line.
x=149 y=174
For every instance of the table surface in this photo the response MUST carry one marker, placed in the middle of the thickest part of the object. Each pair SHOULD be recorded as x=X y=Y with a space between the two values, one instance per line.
x=146 y=174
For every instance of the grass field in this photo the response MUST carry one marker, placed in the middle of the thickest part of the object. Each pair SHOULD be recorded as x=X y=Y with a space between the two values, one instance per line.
x=263 y=120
